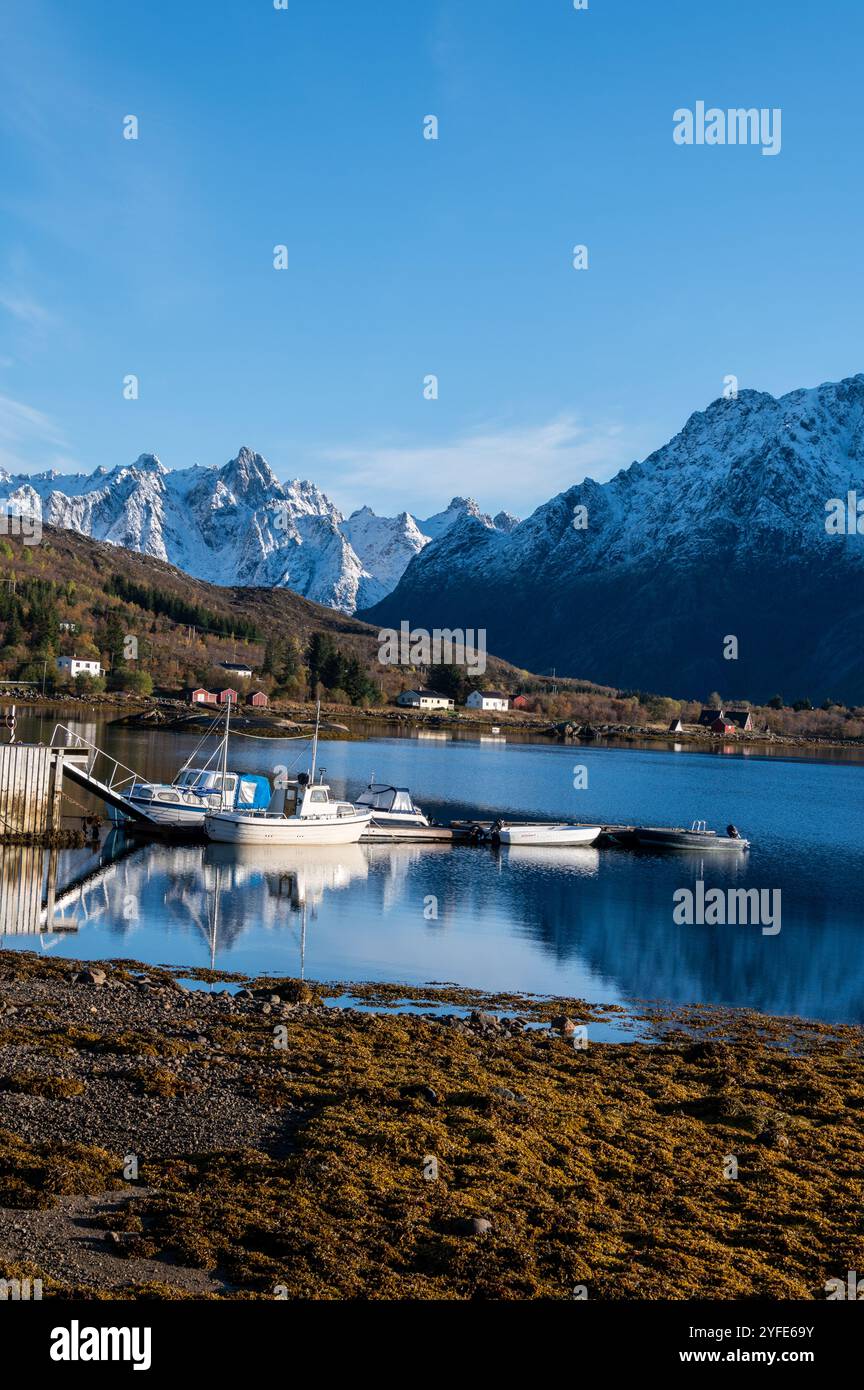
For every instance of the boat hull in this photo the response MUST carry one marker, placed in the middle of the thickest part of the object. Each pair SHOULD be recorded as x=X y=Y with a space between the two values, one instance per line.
x=234 y=829
x=176 y=817
x=651 y=837
x=390 y=832
x=551 y=835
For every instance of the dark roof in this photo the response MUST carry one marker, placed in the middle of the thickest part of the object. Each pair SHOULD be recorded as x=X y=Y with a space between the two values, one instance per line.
x=423 y=690
x=739 y=716
x=493 y=694
x=708 y=716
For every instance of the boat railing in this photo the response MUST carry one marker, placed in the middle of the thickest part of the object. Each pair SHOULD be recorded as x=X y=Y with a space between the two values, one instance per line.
x=112 y=773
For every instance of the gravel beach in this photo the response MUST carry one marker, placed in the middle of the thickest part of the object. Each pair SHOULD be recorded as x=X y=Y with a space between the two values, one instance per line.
x=213 y=1137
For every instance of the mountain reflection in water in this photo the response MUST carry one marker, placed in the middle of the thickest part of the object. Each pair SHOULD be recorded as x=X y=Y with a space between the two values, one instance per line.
x=595 y=923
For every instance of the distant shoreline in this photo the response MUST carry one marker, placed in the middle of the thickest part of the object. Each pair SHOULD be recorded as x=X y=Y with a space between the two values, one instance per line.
x=171 y=715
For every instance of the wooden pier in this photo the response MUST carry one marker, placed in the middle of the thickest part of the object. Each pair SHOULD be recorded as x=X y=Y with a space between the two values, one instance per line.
x=31 y=790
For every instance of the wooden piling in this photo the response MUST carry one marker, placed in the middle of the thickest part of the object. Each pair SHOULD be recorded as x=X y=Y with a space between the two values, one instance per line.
x=25 y=782
x=31 y=792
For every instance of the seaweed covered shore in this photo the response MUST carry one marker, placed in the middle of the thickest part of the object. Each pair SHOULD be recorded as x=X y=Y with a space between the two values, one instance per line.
x=223 y=1138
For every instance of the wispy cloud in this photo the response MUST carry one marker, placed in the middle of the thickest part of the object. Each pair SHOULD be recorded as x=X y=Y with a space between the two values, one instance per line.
x=30 y=439
x=517 y=468
x=26 y=309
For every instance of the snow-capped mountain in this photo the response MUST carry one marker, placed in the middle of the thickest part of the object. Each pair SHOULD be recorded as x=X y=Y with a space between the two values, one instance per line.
x=721 y=533
x=238 y=525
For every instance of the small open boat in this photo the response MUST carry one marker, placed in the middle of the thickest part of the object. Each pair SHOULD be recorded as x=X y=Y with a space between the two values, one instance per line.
x=538 y=833
x=698 y=837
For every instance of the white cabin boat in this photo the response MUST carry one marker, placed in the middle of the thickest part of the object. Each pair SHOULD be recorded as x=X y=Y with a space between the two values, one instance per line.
x=183 y=803
x=301 y=811
x=560 y=834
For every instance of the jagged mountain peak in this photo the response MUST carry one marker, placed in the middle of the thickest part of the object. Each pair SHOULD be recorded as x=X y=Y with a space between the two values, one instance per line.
x=235 y=524
x=248 y=471
x=147 y=463
x=721 y=531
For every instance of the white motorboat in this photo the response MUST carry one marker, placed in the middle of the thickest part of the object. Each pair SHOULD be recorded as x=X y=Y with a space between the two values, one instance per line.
x=195 y=791
x=301 y=811
x=391 y=807
x=539 y=833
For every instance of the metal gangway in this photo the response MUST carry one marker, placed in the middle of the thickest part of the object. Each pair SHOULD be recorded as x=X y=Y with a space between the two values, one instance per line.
x=114 y=780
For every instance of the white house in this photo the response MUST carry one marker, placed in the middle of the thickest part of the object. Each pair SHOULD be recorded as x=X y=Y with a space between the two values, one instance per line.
x=488 y=699
x=241 y=671
x=76 y=667
x=425 y=699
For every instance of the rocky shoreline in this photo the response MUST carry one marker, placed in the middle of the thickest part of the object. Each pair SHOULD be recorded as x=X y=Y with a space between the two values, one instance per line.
x=207 y=1136
x=176 y=716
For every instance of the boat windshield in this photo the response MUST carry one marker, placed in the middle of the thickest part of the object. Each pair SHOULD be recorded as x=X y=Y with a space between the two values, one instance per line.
x=202 y=782
x=195 y=777
x=382 y=798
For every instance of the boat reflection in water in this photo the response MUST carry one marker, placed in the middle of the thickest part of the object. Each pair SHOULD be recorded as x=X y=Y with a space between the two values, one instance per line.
x=271 y=887
x=294 y=876
x=575 y=859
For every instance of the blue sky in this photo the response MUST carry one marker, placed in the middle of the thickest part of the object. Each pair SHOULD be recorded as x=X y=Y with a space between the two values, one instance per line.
x=408 y=256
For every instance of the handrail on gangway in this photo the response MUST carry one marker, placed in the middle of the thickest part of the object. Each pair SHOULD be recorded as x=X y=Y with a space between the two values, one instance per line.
x=113 y=786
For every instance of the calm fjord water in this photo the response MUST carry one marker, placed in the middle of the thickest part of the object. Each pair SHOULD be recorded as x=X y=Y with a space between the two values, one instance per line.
x=591 y=923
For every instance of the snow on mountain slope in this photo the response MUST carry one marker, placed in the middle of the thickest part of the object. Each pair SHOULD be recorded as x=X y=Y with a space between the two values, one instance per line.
x=435 y=526
x=721 y=532
x=237 y=525
x=384 y=546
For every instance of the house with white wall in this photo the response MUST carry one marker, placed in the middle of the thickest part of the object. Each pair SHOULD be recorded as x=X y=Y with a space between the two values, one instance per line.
x=76 y=666
x=425 y=699
x=488 y=699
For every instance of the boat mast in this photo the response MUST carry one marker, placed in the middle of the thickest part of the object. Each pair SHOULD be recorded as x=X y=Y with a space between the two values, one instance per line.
x=222 y=802
x=315 y=743
x=215 y=931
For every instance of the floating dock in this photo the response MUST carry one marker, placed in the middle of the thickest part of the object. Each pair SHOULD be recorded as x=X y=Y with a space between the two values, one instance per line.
x=460 y=833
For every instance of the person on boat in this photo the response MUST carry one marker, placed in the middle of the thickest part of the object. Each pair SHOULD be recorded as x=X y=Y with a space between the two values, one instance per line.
x=732 y=832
